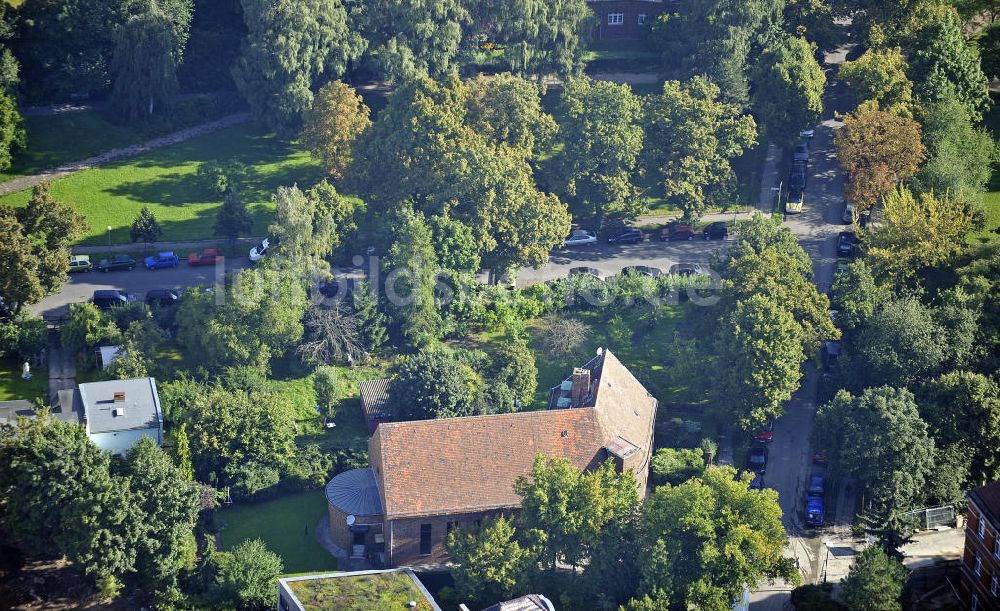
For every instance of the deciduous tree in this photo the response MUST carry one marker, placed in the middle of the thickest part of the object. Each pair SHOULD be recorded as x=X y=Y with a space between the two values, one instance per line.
x=412 y=269
x=145 y=227
x=507 y=109
x=490 y=564
x=337 y=117
x=542 y=37
x=409 y=38
x=144 y=66
x=248 y=573
x=879 y=75
x=233 y=219
x=434 y=383
x=788 y=89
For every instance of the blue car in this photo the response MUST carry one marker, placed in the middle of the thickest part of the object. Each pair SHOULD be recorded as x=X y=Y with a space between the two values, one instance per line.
x=816 y=484
x=814 y=511
x=162 y=260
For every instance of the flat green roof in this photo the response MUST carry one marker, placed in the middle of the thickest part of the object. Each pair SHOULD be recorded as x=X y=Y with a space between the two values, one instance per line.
x=389 y=591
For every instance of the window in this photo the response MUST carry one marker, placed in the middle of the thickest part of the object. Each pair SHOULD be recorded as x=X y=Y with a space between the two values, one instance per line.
x=979 y=566
x=425 y=539
x=993 y=586
x=449 y=526
x=642 y=18
x=616 y=18
x=982 y=529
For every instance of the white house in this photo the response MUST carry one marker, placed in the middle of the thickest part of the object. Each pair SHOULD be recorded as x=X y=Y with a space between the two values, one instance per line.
x=118 y=413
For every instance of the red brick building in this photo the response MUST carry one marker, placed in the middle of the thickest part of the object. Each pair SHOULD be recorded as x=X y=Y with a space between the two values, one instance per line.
x=625 y=18
x=428 y=476
x=980 y=589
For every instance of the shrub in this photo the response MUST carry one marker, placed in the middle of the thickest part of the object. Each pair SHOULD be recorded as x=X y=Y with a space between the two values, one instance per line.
x=22 y=337
x=248 y=573
x=675 y=466
x=251 y=479
x=325 y=385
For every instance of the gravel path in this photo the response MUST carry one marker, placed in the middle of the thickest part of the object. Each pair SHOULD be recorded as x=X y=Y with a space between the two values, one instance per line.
x=27 y=182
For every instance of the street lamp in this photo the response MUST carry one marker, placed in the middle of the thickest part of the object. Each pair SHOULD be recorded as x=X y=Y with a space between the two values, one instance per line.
x=781 y=183
x=826 y=561
x=109 y=237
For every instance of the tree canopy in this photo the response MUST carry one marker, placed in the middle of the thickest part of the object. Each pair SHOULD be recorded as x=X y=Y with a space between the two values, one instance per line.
x=788 y=89
x=875 y=582
x=879 y=75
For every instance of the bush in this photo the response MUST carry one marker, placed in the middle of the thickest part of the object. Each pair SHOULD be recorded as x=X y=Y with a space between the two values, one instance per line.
x=309 y=469
x=252 y=480
x=675 y=466
x=248 y=573
x=22 y=337
x=325 y=385
x=135 y=311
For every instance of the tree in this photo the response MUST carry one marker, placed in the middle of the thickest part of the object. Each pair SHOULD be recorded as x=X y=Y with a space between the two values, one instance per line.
x=454 y=243
x=943 y=63
x=13 y=135
x=513 y=376
x=223 y=177
x=490 y=564
x=145 y=227
x=601 y=136
x=412 y=268
x=325 y=380
x=248 y=573
x=878 y=149
x=691 y=140
x=856 y=296
x=507 y=109
x=371 y=320
x=289 y=44
x=963 y=408
x=916 y=233
x=541 y=37
x=759 y=233
x=675 y=466
x=813 y=20
x=87 y=326
x=879 y=75
x=711 y=536
x=788 y=89
x=233 y=219
x=183 y=450
x=332 y=124
x=409 y=39
x=168 y=502
x=879 y=438
x=563 y=335
x=145 y=61
x=989 y=50
x=22 y=337
x=434 y=383
x=875 y=582
x=331 y=334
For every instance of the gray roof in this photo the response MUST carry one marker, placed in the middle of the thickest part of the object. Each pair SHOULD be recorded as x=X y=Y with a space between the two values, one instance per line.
x=10 y=410
x=374 y=398
x=139 y=410
x=355 y=492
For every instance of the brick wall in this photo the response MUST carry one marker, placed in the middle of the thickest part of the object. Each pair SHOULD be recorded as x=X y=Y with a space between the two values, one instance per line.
x=630 y=11
x=403 y=536
x=984 y=548
x=341 y=533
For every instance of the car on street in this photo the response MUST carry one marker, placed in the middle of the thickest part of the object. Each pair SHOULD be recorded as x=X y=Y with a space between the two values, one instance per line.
x=259 y=251
x=685 y=269
x=716 y=231
x=831 y=354
x=642 y=270
x=807 y=133
x=677 y=231
x=207 y=256
x=848 y=217
x=79 y=263
x=765 y=434
x=815 y=513
x=116 y=263
x=757 y=483
x=162 y=260
x=816 y=484
x=162 y=297
x=797 y=179
x=819 y=457
x=757 y=460
x=105 y=299
x=801 y=151
x=845 y=244
x=629 y=236
x=580 y=237
x=793 y=205
x=585 y=271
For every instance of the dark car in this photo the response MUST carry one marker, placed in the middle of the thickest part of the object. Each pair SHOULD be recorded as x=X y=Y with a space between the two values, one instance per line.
x=757 y=460
x=765 y=434
x=831 y=354
x=162 y=297
x=716 y=231
x=819 y=457
x=115 y=263
x=162 y=260
x=685 y=269
x=815 y=514
x=107 y=299
x=757 y=483
x=797 y=179
x=677 y=231
x=585 y=271
x=642 y=270
x=845 y=244
x=816 y=484
x=629 y=236
x=801 y=152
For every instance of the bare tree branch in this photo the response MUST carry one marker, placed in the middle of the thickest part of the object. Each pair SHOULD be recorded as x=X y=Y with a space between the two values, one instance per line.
x=332 y=334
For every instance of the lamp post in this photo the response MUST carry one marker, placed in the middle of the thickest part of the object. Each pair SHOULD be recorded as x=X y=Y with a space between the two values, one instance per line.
x=109 y=237
x=826 y=561
x=781 y=183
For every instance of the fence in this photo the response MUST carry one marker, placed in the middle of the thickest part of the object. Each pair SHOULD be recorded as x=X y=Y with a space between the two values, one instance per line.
x=930 y=517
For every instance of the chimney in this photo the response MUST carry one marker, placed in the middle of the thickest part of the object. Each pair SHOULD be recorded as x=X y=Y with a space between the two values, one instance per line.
x=119 y=396
x=119 y=409
x=581 y=385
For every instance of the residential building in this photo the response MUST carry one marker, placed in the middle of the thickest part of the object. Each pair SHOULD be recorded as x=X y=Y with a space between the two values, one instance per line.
x=625 y=18
x=355 y=591
x=429 y=476
x=118 y=413
x=980 y=590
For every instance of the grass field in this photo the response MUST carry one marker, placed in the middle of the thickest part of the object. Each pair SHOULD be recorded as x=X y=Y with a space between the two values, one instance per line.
x=112 y=195
x=12 y=387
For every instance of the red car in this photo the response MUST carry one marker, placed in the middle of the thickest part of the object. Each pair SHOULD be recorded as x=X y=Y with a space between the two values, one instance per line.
x=819 y=457
x=677 y=231
x=206 y=257
x=765 y=435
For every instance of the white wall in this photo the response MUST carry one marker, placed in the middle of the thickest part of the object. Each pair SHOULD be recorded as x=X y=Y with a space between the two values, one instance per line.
x=120 y=441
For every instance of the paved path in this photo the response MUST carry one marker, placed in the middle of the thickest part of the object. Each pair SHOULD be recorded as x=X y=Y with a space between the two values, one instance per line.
x=27 y=182
x=62 y=367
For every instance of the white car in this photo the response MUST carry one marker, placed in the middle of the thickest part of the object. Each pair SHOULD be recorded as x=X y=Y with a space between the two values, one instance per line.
x=579 y=237
x=257 y=252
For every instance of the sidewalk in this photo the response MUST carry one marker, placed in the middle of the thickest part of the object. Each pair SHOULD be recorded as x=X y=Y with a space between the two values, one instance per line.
x=769 y=179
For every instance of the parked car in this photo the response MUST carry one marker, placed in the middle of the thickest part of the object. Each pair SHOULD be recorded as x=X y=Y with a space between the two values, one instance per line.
x=579 y=237
x=259 y=251
x=642 y=270
x=801 y=152
x=207 y=256
x=807 y=133
x=819 y=457
x=162 y=297
x=585 y=271
x=848 y=217
x=79 y=263
x=628 y=236
x=716 y=231
x=685 y=269
x=677 y=231
x=105 y=299
x=816 y=482
x=116 y=263
x=757 y=483
x=845 y=244
x=765 y=434
x=757 y=460
x=797 y=179
x=793 y=205
x=162 y=260
x=815 y=514
x=831 y=354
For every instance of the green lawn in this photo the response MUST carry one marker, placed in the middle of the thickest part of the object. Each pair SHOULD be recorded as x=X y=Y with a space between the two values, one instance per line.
x=12 y=387
x=286 y=524
x=57 y=139
x=164 y=180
